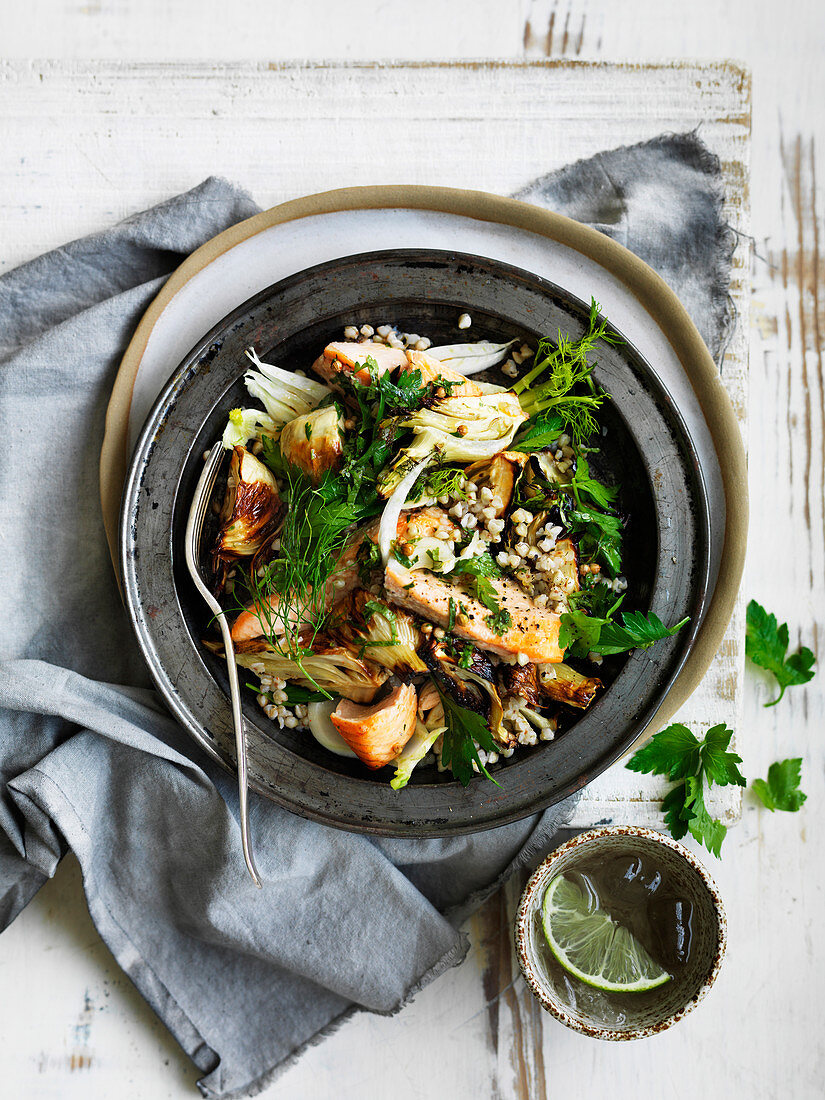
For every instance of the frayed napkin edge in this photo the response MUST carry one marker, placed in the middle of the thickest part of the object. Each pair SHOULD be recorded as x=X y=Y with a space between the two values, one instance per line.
x=537 y=846
x=451 y=958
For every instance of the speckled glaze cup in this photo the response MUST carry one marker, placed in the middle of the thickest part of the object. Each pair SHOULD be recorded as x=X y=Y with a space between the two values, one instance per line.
x=642 y=1014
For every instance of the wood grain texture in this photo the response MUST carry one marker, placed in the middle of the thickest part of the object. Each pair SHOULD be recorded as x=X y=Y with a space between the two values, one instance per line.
x=758 y=1033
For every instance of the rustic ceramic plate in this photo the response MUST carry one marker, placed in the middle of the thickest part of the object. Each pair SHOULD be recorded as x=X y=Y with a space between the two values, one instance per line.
x=425 y=291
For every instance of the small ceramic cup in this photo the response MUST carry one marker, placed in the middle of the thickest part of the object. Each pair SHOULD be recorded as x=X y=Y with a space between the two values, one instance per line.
x=638 y=1015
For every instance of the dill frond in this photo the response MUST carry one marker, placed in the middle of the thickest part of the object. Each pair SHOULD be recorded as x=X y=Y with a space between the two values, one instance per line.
x=564 y=366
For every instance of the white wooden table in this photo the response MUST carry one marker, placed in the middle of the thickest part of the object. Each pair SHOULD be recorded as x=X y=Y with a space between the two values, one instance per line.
x=73 y=1025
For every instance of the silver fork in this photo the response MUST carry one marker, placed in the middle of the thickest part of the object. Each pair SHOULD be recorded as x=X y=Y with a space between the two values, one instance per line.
x=192 y=545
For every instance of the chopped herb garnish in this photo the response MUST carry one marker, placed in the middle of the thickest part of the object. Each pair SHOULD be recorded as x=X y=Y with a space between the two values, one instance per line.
x=451 y=616
x=406 y=561
x=476 y=573
x=368 y=558
x=375 y=607
x=465 y=658
x=383 y=394
x=481 y=566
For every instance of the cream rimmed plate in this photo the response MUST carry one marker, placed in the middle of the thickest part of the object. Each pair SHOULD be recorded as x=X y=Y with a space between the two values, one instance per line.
x=289 y=238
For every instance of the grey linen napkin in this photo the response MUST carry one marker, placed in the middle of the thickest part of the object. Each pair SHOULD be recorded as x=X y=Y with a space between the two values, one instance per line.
x=90 y=761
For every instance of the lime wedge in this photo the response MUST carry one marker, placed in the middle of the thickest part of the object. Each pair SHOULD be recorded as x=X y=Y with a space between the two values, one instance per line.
x=591 y=945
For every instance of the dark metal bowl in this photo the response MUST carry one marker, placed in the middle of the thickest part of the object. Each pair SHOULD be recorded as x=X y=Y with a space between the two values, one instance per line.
x=645 y=444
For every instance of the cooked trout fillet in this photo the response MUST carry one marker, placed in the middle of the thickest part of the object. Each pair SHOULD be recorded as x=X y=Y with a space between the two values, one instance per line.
x=349 y=359
x=376 y=734
x=534 y=632
x=258 y=619
x=425 y=522
x=432 y=370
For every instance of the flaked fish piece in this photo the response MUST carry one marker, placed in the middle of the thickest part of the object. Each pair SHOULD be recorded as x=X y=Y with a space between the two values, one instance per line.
x=378 y=733
x=433 y=371
x=264 y=618
x=426 y=523
x=350 y=359
x=534 y=631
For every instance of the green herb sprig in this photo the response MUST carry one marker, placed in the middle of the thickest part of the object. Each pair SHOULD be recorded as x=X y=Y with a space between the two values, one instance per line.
x=679 y=755
x=582 y=633
x=766 y=643
x=440 y=481
x=289 y=592
x=465 y=729
x=594 y=521
x=587 y=490
x=540 y=431
x=564 y=366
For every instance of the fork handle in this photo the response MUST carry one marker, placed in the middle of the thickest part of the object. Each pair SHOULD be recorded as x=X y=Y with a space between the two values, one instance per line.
x=240 y=748
x=194 y=527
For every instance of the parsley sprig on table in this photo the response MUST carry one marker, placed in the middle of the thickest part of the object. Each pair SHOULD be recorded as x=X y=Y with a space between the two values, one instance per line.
x=679 y=755
x=766 y=644
x=780 y=791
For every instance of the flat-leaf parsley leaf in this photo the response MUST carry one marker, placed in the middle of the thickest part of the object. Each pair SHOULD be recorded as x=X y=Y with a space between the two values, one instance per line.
x=766 y=644
x=583 y=634
x=464 y=729
x=678 y=754
x=781 y=789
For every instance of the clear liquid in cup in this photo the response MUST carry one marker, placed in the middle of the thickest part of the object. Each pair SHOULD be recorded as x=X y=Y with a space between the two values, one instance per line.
x=638 y=895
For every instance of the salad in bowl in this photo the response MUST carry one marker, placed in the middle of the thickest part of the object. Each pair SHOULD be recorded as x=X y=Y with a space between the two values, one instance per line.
x=421 y=568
